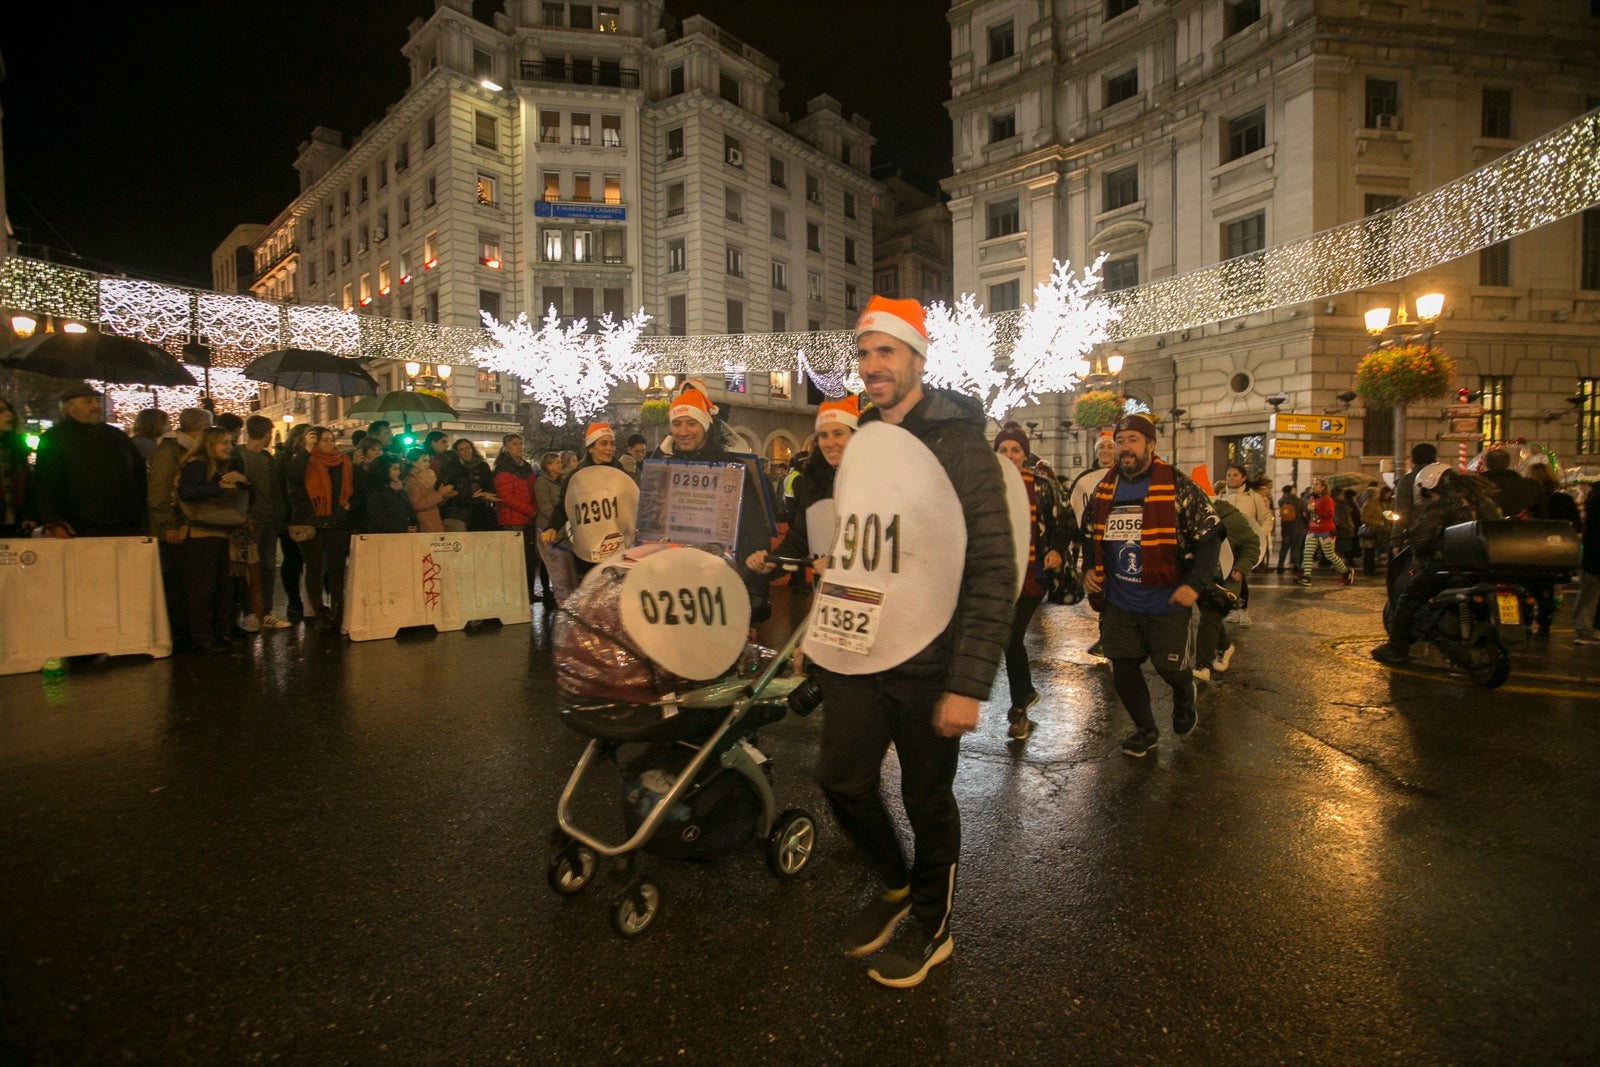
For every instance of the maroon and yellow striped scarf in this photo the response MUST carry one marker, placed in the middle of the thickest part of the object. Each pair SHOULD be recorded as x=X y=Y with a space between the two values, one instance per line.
x=1158 y=538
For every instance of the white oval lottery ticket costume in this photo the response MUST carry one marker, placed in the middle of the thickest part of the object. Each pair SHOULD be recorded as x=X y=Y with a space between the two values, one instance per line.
x=898 y=551
x=820 y=518
x=602 y=507
x=1017 y=506
x=687 y=610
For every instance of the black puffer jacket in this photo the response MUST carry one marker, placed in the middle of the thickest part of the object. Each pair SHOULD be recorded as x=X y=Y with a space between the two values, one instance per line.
x=966 y=656
x=814 y=483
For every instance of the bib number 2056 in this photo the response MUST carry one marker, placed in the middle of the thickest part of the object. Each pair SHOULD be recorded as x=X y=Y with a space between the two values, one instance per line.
x=683 y=607
x=871 y=540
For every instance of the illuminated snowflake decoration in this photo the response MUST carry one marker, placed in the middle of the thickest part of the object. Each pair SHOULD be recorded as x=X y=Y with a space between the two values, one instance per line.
x=1062 y=325
x=568 y=370
x=962 y=357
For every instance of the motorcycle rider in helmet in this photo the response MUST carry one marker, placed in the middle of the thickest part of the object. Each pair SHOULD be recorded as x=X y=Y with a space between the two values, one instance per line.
x=1444 y=497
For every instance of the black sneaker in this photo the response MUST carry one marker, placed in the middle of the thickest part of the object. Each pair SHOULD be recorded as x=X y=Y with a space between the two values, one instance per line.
x=1140 y=742
x=1390 y=655
x=910 y=958
x=874 y=924
x=1096 y=650
x=1184 y=713
x=1021 y=725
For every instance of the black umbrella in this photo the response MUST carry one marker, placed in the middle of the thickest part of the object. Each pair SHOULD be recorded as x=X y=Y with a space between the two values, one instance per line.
x=105 y=357
x=308 y=371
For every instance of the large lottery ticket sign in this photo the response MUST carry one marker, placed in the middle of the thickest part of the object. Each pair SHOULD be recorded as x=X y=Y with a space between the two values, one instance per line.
x=688 y=502
x=602 y=505
x=685 y=609
x=894 y=570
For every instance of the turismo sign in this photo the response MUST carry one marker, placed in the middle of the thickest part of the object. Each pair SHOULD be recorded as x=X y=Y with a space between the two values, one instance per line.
x=1282 y=449
x=1331 y=425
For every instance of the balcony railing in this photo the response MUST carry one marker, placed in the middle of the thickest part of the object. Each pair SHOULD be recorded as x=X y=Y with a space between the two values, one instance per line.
x=579 y=74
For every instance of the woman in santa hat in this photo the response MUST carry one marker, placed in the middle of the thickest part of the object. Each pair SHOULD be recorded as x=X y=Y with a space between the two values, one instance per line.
x=600 y=450
x=836 y=424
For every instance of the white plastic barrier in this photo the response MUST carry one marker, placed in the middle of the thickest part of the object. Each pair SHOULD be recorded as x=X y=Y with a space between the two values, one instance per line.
x=440 y=580
x=80 y=597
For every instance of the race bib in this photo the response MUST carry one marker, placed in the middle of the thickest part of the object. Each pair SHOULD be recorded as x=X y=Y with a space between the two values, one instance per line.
x=1021 y=520
x=687 y=610
x=846 y=617
x=1123 y=550
x=602 y=504
x=897 y=552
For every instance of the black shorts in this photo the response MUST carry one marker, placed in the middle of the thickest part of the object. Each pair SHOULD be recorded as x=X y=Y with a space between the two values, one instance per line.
x=1165 y=639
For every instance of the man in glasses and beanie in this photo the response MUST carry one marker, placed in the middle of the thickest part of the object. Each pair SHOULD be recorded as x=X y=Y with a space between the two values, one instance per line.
x=1153 y=542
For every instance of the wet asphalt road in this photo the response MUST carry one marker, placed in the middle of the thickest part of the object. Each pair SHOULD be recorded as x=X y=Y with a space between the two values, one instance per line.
x=325 y=852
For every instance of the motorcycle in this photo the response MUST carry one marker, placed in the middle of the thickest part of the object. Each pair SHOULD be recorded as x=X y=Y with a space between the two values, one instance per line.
x=1485 y=566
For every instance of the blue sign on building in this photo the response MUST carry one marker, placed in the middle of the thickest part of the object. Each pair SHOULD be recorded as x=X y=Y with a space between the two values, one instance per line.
x=544 y=209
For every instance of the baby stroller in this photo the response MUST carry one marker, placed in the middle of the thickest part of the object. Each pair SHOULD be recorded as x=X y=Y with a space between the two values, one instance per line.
x=696 y=785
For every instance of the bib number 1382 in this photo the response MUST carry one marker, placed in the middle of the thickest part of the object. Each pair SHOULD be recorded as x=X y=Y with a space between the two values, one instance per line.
x=871 y=540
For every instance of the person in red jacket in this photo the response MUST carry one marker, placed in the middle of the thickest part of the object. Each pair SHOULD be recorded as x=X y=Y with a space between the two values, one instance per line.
x=1319 y=536
x=513 y=484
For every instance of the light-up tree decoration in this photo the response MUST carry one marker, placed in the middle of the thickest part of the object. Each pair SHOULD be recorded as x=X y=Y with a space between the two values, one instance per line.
x=1058 y=330
x=569 y=371
x=961 y=355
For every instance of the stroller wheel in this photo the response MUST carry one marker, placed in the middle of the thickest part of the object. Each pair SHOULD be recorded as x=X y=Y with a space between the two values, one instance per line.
x=635 y=908
x=791 y=843
x=571 y=869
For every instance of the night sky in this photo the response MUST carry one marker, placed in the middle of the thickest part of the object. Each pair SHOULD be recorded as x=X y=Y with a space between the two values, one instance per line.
x=137 y=135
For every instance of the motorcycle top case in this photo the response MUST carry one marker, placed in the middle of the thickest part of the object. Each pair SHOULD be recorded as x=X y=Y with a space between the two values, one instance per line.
x=1512 y=548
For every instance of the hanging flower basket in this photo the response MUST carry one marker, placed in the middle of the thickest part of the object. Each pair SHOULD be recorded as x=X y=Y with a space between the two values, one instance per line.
x=1403 y=374
x=653 y=413
x=1095 y=409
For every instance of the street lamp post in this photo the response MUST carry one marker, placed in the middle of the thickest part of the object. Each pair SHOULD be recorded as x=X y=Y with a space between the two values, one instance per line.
x=1386 y=334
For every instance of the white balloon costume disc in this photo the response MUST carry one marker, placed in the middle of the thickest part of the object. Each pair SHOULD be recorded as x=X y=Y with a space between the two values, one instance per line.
x=687 y=610
x=1017 y=508
x=899 y=546
x=819 y=526
x=602 y=506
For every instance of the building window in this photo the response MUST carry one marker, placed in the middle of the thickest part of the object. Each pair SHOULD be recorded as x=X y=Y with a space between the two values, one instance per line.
x=675 y=143
x=1120 y=87
x=485 y=190
x=430 y=134
x=610 y=131
x=405 y=212
x=849 y=205
x=611 y=246
x=1122 y=187
x=779 y=171
x=1007 y=296
x=849 y=249
x=1377 y=239
x=732 y=151
x=1243 y=236
x=550 y=127
x=678 y=315
x=402 y=156
x=553 y=300
x=1119 y=7
x=580 y=188
x=550 y=245
x=365 y=295
x=482 y=64
x=580 y=127
x=851 y=300
x=1494 y=393
x=1497 y=113
x=1589 y=417
x=330 y=217
x=363 y=186
x=430 y=309
x=1003 y=126
x=1247 y=134
x=344 y=251
x=735 y=261
x=344 y=202
x=813 y=188
x=583 y=308
x=581 y=17
x=734 y=381
x=677 y=257
x=430 y=195
x=347 y=301
x=611 y=189
x=1004 y=219
x=1383 y=104
x=732 y=204
x=1589 y=264
x=736 y=321
x=887 y=282
x=486 y=132
x=363 y=240
x=1494 y=266
x=1002 y=41
x=488 y=381
x=430 y=250
x=608 y=19
x=583 y=246
x=328 y=264
x=780 y=324
x=780 y=224
x=1120 y=273
x=383 y=174
x=728 y=87
x=552 y=186
x=675 y=83
x=674 y=199
x=847 y=154
x=613 y=303
x=383 y=278
x=780 y=274
x=489 y=303
x=813 y=237
x=814 y=286
x=1237 y=14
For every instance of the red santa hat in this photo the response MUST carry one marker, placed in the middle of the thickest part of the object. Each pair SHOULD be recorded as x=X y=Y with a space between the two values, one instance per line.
x=693 y=403
x=846 y=411
x=595 y=432
x=901 y=319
